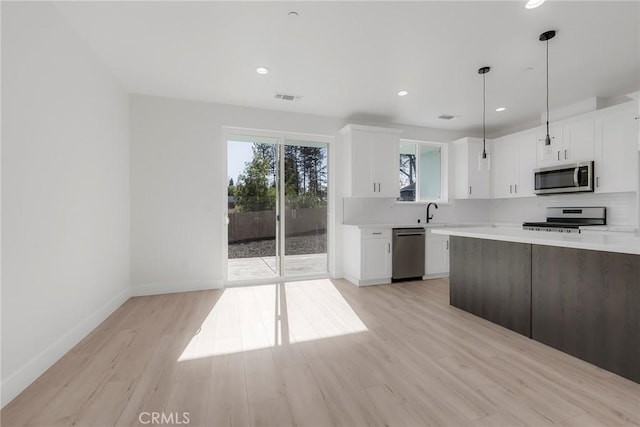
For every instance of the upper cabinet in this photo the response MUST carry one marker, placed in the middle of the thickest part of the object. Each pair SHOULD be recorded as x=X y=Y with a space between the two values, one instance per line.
x=571 y=141
x=470 y=181
x=372 y=161
x=513 y=161
x=616 y=145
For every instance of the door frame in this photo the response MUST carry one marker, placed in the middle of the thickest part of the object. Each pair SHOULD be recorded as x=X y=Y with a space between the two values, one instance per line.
x=281 y=136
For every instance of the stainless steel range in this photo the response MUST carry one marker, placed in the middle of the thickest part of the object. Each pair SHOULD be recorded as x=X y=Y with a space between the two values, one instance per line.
x=569 y=220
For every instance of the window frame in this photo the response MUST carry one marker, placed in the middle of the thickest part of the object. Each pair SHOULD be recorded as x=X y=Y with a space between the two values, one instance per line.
x=444 y=171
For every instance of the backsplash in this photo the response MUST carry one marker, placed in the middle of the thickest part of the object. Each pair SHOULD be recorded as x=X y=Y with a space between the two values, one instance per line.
x=384 y=211
x=621 y=207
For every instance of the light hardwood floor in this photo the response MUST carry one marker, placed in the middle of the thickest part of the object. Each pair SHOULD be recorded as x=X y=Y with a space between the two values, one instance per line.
x=318 y=353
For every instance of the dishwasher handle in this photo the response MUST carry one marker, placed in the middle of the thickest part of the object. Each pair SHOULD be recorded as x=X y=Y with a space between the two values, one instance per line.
x=410 y=234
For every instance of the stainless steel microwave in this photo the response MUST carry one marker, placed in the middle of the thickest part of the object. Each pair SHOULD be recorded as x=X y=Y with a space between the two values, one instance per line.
x=568 y=178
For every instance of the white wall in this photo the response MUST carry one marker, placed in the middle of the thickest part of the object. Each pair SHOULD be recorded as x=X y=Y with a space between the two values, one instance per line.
x=178 y=185
x=65 y=192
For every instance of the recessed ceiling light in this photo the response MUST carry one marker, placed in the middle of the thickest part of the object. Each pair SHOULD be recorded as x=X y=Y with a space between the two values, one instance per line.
x=262 y=70
x=500 y=109
x=532 y=4
x=403 y=93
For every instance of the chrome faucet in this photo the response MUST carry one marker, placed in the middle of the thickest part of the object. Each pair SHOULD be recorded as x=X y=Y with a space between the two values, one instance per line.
x=430 y=217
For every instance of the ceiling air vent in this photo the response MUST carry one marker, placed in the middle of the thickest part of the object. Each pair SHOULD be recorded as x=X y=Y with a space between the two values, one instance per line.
x=285 y=97
x=446 y=117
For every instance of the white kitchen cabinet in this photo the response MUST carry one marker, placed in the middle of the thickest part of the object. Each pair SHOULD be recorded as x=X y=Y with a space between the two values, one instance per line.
x=470 y=181
x=372 y=161
x=578 y=138
x=437 y=255
x=616 y=142
x=526 y=160
x=571 y=141
x=514 y=159
x=502 y=167
x=367 y=255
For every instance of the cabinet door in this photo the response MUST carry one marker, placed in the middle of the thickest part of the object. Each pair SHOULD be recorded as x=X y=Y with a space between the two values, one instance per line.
x=385 y=160
x=525 y=162
x=437 y=261
x=376 y=258
x=461 y=169
x=479 y=180
x=577 y=139
x=502 y=168
x=549 y=154
x=470 y=181
x=361 y=178
x=616 y=144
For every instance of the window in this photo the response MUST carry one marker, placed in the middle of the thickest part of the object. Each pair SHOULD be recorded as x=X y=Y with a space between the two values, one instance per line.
x=422 y=171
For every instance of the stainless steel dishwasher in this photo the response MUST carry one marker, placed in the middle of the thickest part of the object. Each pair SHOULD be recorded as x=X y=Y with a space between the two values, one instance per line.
x=408 y=253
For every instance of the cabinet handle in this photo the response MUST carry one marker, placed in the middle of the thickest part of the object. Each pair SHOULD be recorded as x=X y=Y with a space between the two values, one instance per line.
x=377 y=233
x=558 y=154
x=374 y=187
x=447 y=242
x=379 y=188
x=565 y=154
x=516 y=188
x=511 y=189
x=597 y=181
x=469 y=189
x=388 y=248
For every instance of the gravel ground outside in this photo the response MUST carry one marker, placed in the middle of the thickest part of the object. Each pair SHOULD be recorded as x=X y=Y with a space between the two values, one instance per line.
x=297 y=245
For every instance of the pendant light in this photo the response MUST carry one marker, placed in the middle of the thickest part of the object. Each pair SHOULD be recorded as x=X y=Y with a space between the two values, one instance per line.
x=545 y=37
x=532 y=4
x=483 y=161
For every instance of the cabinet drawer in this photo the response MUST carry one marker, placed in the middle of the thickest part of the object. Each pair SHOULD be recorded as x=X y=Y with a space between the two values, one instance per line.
x=375 y=233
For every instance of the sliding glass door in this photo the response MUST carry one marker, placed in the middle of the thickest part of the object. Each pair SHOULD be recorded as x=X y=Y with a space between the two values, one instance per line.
x=253 y=207
x=277 y=208
x=305 y=207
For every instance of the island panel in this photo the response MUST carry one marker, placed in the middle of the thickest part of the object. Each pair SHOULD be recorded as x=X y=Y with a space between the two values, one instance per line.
x=492 y=279
x=587 y=304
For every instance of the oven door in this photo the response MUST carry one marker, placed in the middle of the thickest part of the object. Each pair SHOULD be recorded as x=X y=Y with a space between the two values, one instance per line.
x=572 y=178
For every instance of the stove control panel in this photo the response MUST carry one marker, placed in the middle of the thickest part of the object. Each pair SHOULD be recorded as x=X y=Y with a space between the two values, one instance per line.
x=552 y=229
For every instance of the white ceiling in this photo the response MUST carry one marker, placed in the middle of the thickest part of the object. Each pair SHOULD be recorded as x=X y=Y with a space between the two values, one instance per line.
x=349 y=59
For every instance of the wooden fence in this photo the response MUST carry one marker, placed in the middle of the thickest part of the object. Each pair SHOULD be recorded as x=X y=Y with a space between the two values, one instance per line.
x=248 y=226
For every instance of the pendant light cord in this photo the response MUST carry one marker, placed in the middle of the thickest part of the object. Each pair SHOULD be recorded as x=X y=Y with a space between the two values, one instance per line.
x=484 y=114
x=547 y=88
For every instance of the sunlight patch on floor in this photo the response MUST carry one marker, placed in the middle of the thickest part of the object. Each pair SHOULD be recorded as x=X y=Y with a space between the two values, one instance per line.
x=257 y=317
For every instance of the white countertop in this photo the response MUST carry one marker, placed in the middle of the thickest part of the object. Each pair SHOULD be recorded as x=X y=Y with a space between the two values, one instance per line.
x=626 y=243
x=420 y=225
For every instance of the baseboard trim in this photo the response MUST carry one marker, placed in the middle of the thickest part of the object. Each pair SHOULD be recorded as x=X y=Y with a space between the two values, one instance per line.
x=174 y=287
x=17 y=382
x=435 y=276
x=369 y=282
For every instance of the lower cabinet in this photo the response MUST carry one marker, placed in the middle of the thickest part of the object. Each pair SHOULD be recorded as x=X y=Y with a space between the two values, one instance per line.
x=587 y=304
x=437 y=255
x=492 y=279
x=367 y=255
